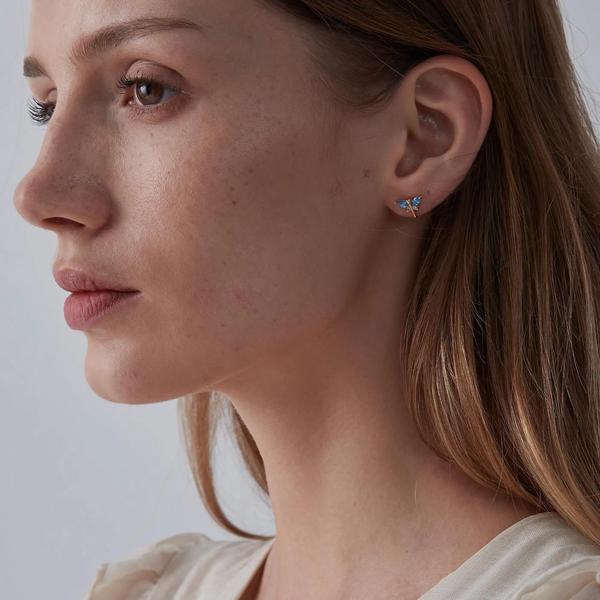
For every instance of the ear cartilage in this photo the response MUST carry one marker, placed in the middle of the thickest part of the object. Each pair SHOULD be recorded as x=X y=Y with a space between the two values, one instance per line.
x=410 y=204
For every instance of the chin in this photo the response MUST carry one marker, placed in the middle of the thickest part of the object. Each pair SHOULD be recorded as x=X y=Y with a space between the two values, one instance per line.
x=117 y=384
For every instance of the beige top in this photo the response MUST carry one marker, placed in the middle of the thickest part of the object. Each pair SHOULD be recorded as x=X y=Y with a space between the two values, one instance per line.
x=539 y=558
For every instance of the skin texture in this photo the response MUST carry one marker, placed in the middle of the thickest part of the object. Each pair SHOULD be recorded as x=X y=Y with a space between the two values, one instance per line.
x=261 y=228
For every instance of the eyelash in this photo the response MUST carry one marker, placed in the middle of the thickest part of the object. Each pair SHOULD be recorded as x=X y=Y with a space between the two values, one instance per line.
x=38 y=111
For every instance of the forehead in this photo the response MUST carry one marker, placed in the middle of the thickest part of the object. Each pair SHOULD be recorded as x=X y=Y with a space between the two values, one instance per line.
x=88 y=14
x=59 y=20
x=56 y=25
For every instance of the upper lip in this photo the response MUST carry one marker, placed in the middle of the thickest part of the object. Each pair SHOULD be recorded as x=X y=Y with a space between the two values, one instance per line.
x=77 y=280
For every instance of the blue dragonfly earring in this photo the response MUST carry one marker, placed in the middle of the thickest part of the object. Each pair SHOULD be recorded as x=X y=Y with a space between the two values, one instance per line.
x=411 y=204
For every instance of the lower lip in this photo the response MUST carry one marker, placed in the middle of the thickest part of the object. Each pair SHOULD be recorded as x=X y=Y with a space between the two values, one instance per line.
x=85 y=309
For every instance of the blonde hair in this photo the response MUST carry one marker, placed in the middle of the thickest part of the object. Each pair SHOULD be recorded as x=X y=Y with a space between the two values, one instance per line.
x=501 y=341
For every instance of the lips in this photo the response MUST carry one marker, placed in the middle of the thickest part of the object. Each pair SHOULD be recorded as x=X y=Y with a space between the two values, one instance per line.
x=76 y=280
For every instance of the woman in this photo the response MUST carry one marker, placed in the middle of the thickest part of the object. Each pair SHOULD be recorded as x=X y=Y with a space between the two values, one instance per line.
x=365 y=231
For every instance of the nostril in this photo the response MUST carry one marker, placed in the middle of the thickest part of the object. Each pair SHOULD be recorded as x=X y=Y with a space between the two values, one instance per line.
x=58 y=221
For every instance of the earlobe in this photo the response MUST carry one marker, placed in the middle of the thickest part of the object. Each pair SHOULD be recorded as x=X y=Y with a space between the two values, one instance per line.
x=447 y=108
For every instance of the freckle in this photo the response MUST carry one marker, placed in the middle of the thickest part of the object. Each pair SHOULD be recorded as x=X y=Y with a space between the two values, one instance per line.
x=222 y=324
x=232 y=188
x=234 y=202
x=367 y=171
x=250 y=170
x=236 y=348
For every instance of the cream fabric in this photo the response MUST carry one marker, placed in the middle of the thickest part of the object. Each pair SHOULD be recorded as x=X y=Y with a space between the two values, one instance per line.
x=539 y=558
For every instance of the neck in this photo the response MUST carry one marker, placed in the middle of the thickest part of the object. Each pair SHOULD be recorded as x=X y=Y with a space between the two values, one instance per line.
x=361 y=505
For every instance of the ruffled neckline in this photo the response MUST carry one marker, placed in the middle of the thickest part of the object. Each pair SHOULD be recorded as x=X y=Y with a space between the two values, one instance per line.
x=230 y=567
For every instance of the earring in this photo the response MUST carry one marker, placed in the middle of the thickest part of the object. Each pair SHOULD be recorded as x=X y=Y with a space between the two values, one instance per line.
x=410 y=204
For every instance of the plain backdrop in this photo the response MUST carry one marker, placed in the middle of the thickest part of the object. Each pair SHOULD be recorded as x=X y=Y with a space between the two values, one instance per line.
x=85 y=481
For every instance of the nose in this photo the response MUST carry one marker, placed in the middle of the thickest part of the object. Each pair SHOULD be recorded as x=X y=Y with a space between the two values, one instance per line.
x=63 y=188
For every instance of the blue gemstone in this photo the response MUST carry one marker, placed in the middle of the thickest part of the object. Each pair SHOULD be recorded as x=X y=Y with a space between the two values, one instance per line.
x=416 y=201
x=404 y=204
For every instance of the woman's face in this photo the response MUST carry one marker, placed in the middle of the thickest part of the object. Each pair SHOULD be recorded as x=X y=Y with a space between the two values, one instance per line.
x=225 y=195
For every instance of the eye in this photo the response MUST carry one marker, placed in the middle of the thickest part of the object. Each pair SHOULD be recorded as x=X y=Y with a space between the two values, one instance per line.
x=147 y=90
x=149 y=94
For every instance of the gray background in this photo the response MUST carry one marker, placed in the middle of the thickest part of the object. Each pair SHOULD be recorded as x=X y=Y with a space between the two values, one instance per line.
x=85 y=481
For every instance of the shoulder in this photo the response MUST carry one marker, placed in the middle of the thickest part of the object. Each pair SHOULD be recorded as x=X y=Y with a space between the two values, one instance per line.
x=160 y=570
x=547 y=559
x=142 y=568
x=577 y=579
x=563 y=563
x=539 y=558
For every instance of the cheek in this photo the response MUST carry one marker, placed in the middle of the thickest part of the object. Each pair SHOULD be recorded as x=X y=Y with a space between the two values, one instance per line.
x=239 y=247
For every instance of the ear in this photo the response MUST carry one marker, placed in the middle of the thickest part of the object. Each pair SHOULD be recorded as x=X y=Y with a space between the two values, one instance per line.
x=444 y=105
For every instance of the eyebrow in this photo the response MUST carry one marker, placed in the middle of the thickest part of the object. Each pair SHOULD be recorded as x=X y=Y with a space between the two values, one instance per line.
x=109 y=38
